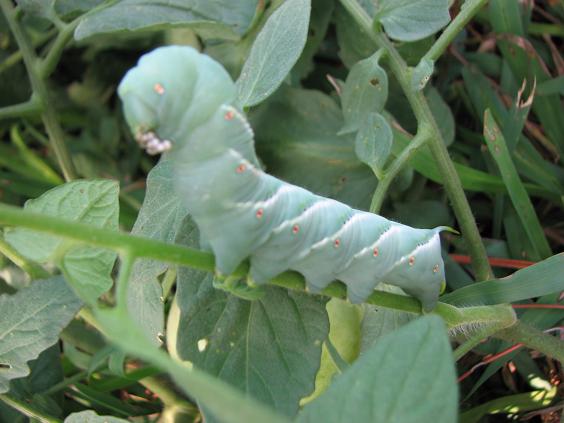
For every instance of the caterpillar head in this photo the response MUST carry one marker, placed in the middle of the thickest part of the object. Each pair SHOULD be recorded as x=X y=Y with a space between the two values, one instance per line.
x=171 y=91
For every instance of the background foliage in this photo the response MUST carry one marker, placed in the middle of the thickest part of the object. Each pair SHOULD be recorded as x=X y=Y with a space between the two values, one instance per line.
x=337 y=108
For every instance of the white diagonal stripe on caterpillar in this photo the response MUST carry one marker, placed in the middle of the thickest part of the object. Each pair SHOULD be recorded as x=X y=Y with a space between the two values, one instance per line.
x=414 y=252
x=356 y=218
x=286 y=188
x=311 y=209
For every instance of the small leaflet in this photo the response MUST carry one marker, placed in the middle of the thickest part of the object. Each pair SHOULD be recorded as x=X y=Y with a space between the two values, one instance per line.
x=422 y=74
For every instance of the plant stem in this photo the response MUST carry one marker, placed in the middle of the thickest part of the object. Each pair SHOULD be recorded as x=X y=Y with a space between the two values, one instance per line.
x=137 y=247
x=16 y=57
x=426 y=123
x=29 y=108
x=57 y=137
x=66 y=382
x=114 y=240
x=395 y=167
x=28 y=410
x=533 y=338
x=127 y=259
x=477 y=338
x=35 y=163
x=167 y=394
x=467 y=12
x=48 y=64
x=169 y=280
x=40 y=91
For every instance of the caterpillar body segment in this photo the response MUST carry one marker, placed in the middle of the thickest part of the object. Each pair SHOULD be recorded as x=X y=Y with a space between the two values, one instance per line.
x=183 y=100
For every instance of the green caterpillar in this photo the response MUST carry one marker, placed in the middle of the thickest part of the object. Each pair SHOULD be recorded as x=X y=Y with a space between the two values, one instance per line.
x=181 y=101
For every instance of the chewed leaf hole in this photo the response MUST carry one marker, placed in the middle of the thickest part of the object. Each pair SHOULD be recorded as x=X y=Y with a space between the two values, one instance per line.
x=374 y=82
x=5 y=366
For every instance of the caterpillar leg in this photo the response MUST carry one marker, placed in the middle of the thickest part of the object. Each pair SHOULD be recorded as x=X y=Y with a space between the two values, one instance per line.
x=259 y=274
x=428 y=297
x=238 y=287
x=315 y=284
x=358 y=293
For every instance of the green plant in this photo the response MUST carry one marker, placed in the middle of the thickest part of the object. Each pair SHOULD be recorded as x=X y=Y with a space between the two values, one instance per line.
x=235 y=360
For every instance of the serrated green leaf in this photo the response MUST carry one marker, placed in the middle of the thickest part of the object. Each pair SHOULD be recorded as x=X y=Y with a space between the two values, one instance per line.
x=534 y=281
x=411 y=20
x=365 y=92
x=90 y=416
x=217 y=19
x=87 y=269
x=31 y=321
x=407 y=376
x=274 y=52
x=422 y=74
x=268 y=348
x=373 y=142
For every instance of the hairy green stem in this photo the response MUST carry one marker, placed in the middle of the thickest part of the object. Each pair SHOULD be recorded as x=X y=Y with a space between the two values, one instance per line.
x=40 y=91
x=118 y=241
x=395 y=167
x=426 y=121
x=533 y=338
x=27 y=409
x=133 y=246
x=467 y=12
x=479 y=335
x=458 y=319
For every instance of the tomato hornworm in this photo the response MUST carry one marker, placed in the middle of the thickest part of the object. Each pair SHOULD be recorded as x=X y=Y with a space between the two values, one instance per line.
x=181 y=101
